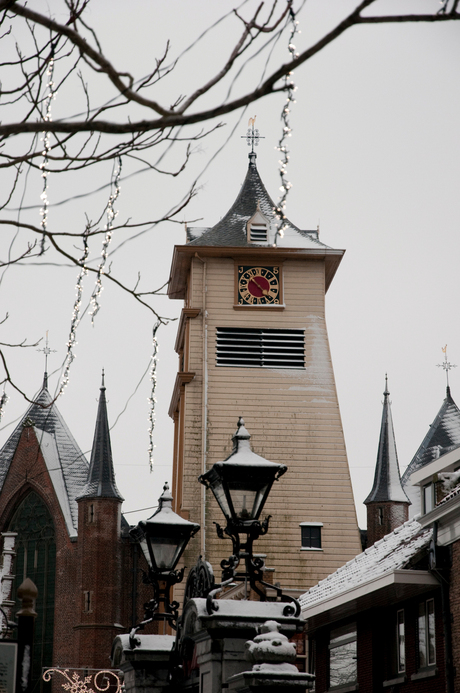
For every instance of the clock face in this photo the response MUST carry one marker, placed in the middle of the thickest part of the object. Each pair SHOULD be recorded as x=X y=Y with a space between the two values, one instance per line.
x=258 y=286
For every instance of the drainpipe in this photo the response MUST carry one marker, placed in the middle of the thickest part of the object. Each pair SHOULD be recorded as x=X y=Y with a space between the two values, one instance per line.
x=204 y=406
x=445 y=606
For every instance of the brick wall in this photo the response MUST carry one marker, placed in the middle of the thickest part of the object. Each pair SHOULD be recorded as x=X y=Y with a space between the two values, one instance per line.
x=383 y=518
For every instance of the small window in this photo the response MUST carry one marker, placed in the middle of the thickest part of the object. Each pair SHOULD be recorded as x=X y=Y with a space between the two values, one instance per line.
x=257 y=227
x=400 y=642
x=426 y=634
x=258 y=233
x=343 y=661
x=428 y=498
x=380 y=516
x=91 y=514
x=311 y=535
x=87 y=601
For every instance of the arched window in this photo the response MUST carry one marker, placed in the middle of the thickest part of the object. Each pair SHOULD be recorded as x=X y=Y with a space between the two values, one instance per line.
x=36 y=559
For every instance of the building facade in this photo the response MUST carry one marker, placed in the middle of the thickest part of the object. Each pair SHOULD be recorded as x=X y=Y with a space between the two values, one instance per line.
x=71 y=538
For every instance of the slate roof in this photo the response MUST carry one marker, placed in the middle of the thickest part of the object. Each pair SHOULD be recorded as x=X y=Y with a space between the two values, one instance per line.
x=231 y=230
x=387 y=480
x=101 y=476
x=394 y=552
x=66 y=463
x=442 y=437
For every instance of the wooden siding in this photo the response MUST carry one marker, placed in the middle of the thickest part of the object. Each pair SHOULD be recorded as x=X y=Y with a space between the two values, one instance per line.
x=292 y=415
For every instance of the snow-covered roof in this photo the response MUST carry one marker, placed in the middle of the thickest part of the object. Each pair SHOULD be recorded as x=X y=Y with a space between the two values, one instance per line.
x=387 y=480
x=231 y=230
x=392 y=553
x=66 y=462
x=443 y=436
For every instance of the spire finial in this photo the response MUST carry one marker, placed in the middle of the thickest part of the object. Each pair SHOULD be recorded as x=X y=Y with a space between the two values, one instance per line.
x=252 y=138
x=386 y=393
x=446 y=366
x=46 y=350
x=103 y=380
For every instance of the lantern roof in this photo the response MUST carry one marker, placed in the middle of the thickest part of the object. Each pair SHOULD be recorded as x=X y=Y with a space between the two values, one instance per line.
x=164 y=514
x=242 y=453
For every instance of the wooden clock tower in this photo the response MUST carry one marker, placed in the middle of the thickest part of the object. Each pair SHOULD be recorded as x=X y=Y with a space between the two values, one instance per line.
x=252 y=342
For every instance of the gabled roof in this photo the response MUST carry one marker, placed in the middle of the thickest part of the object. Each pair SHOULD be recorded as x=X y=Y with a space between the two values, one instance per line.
x=387 y=480
x=231 y=230
x=101 y=476
x=65 y=461
x=443 y=436
x=393 y=570
x=393 y=552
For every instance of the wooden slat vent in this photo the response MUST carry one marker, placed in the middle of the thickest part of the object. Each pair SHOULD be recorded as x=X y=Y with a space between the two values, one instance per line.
x=260 y=348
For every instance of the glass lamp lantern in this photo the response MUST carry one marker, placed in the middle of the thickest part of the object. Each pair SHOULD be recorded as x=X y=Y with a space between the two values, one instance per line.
x=164 y=536
x=242 y=482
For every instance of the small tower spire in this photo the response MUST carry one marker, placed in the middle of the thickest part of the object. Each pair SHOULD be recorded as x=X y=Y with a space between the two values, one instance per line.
x=387 y=503
x=101 y=476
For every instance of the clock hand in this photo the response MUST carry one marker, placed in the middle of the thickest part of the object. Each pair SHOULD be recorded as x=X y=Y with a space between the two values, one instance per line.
x=264 y=291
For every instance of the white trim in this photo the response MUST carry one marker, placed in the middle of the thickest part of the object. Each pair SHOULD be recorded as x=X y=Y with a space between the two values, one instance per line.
x=445 y=463
x=396 y=577
x=311 y=524
x=309 y=548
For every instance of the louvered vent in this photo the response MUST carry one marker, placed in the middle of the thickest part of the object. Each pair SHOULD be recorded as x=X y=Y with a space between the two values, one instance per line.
x=256 y=348
x=258 y=233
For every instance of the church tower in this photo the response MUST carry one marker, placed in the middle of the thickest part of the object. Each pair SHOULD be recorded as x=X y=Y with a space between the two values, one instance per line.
x=387 y=503
x=252 y=342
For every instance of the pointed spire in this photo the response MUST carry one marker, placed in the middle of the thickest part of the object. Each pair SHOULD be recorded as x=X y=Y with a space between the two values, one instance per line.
x=101 y=476
x=387 y=480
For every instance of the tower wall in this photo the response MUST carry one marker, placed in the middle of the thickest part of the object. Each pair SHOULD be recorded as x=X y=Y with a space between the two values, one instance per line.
x=99 y=585
x=383 y=518
x=292 y=415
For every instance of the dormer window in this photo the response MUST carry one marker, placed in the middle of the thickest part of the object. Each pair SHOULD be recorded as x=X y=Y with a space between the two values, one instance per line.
x=257 y=227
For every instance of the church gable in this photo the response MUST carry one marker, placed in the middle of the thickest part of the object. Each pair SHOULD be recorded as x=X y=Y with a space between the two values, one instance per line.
x=65 y=462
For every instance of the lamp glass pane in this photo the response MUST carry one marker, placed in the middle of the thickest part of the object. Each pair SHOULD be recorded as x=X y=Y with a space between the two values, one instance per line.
x=165 y=551
x=219 y=494
x=247 y=497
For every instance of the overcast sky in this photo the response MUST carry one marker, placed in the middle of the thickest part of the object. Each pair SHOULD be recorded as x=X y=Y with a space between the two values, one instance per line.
x=374 y=160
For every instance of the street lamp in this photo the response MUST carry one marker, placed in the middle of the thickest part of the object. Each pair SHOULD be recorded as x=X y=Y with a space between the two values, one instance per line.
x=241 y=485
x=242 y=482
x=163 y=538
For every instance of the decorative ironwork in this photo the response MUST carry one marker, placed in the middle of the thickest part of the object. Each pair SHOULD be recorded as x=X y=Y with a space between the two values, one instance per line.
x=200 y=581
x=446 y=365
x=254 y=566
x=161 y=583
x=101 y=680
x=252 y=136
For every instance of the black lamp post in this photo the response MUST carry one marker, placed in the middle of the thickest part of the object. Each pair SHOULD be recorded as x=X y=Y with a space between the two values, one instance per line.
x=163 y=538
x=241 y=485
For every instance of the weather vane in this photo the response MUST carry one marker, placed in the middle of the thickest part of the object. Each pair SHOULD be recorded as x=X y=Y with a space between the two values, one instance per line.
x=446 y=365
x=46 y=350
x=252 y=135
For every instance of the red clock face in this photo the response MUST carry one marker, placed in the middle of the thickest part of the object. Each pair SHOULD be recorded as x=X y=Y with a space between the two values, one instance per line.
x=258 y=286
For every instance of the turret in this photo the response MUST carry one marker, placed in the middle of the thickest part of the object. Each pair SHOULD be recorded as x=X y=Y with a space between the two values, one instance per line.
x=99 y=539
x=387 y=503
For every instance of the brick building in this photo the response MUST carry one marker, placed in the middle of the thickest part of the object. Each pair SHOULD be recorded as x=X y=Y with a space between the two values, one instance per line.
x=390 y=618
x=72 y=541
